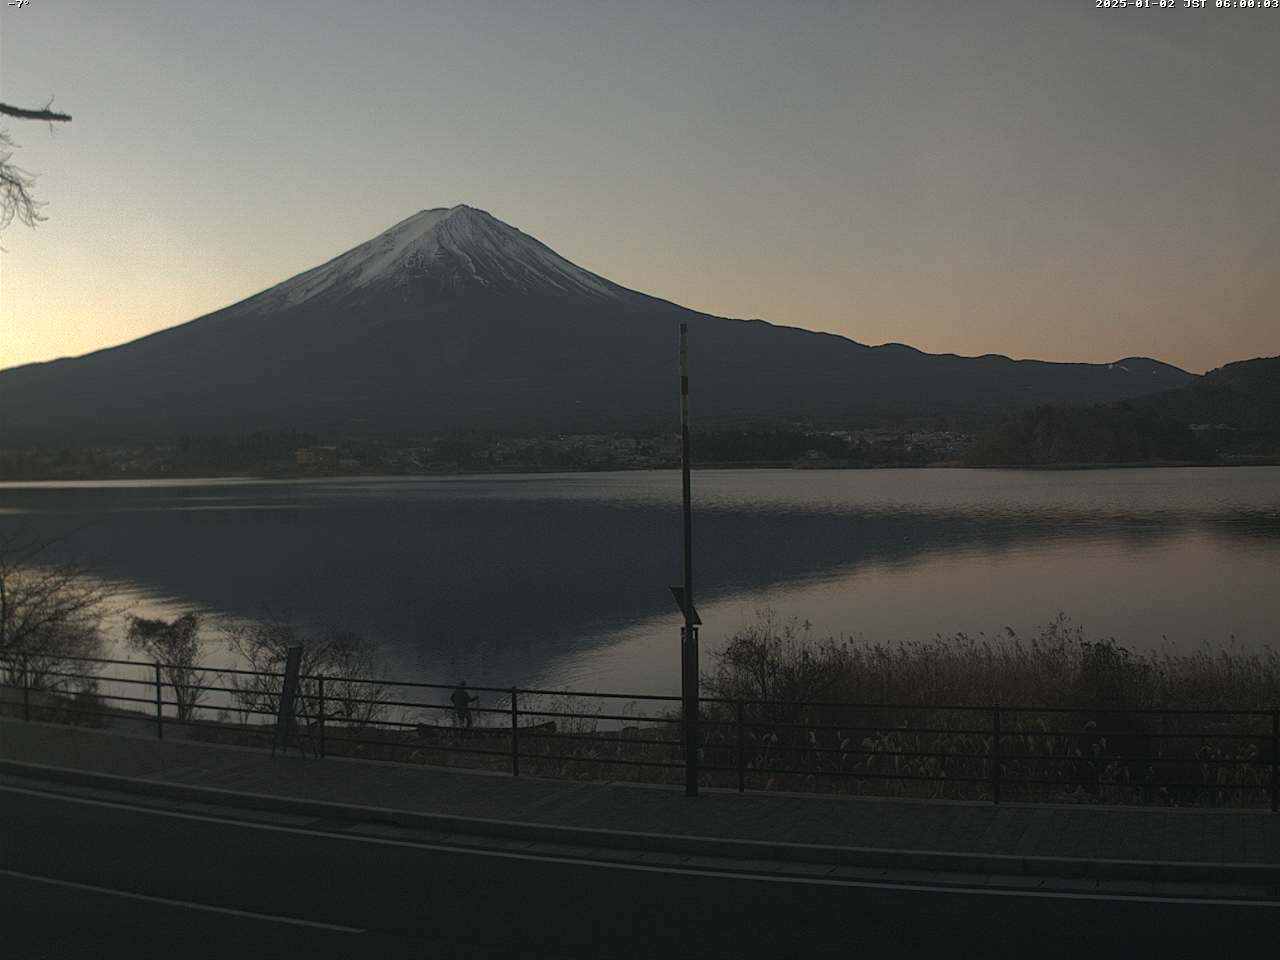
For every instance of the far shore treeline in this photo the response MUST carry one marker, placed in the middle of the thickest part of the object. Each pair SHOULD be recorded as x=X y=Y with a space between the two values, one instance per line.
x=286 y=453
x=1229 y=416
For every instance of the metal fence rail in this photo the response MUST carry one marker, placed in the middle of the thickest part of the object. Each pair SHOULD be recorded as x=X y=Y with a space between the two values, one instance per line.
x=991 y=753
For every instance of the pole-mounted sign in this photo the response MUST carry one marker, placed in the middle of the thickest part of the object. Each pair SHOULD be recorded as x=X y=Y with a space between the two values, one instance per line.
x=678 y=593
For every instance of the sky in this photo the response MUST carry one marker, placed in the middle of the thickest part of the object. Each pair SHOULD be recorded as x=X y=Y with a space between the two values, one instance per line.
x=1039 y=178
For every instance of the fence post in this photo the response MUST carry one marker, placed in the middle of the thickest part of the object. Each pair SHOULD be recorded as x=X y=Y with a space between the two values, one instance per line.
x=26 y=691
x=1157 y=785
x=1275 y=760
x=742 y=756
x=320 y=704
x=515 y=733
x=995 y=753
x=159 y=707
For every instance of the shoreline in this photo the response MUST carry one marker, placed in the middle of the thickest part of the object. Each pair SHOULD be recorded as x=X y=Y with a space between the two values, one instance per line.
x=528 y=471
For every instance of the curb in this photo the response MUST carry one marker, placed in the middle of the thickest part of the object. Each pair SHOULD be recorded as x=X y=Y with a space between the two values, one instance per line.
x=1263 y=875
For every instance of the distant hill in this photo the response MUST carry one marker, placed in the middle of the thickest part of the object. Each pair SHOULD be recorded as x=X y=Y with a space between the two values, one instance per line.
x=1231 y=413
x=1242 y=396
x=453 y=319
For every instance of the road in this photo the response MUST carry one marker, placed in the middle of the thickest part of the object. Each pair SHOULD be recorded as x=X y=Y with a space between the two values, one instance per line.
x=97 y=877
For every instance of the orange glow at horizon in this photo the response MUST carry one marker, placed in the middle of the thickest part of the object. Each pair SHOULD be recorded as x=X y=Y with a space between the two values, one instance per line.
x=988 y=182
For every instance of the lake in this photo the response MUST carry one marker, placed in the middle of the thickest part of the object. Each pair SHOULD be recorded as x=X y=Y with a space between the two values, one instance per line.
x=562 y=579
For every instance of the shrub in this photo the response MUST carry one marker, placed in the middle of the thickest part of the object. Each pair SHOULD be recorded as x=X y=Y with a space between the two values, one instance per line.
x=345 y=660
x=176 y=645
x=50 y=611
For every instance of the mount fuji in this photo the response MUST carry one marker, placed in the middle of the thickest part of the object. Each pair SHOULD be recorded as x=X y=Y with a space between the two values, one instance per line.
x=452 y=318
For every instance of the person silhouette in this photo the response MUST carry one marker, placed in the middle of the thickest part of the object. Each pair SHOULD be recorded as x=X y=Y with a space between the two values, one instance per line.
x=462 y=700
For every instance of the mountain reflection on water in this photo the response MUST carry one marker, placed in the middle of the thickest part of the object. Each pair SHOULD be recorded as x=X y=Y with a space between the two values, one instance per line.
x=563 y=578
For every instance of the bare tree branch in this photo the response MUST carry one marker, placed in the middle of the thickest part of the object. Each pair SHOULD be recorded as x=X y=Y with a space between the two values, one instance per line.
x=42 y=114
x=16 y=198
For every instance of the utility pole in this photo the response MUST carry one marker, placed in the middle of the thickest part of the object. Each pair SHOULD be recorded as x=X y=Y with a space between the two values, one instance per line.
x=689 y=635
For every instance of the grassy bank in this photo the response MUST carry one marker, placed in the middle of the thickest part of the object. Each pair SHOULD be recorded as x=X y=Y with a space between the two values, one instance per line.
x=1079 y=719
x=1058 y=666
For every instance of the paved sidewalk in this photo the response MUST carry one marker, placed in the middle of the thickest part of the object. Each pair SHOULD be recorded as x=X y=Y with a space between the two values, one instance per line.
x=1208 y=837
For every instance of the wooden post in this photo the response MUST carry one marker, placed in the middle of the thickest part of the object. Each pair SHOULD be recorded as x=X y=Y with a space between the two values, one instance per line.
x=1275 y=760
x=285 y=716
x=995 y=754
x=320 y=704
x=742 y=755
x=159 y=707
x=515 y=733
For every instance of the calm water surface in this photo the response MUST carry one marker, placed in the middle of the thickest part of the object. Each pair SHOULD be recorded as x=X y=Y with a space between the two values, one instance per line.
x=562 y=579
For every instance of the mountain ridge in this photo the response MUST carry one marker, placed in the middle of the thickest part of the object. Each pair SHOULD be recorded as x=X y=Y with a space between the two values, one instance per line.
x=453 y=318
x=1231 y=414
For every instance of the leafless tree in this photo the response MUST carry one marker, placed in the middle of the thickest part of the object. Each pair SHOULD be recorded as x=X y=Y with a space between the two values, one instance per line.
x=50 y=610
x=177 y=646
x=343 y=658
x=16 y=198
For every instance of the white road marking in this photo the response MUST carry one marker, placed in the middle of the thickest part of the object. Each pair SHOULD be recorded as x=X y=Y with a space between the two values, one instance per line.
x=184 y=904
x=656 y=868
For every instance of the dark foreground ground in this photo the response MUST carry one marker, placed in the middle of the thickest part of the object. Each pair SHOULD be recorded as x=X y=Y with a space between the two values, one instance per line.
x=85 y=877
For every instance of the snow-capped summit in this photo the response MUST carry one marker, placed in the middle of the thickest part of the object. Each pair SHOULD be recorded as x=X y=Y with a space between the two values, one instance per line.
x=450 y=248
